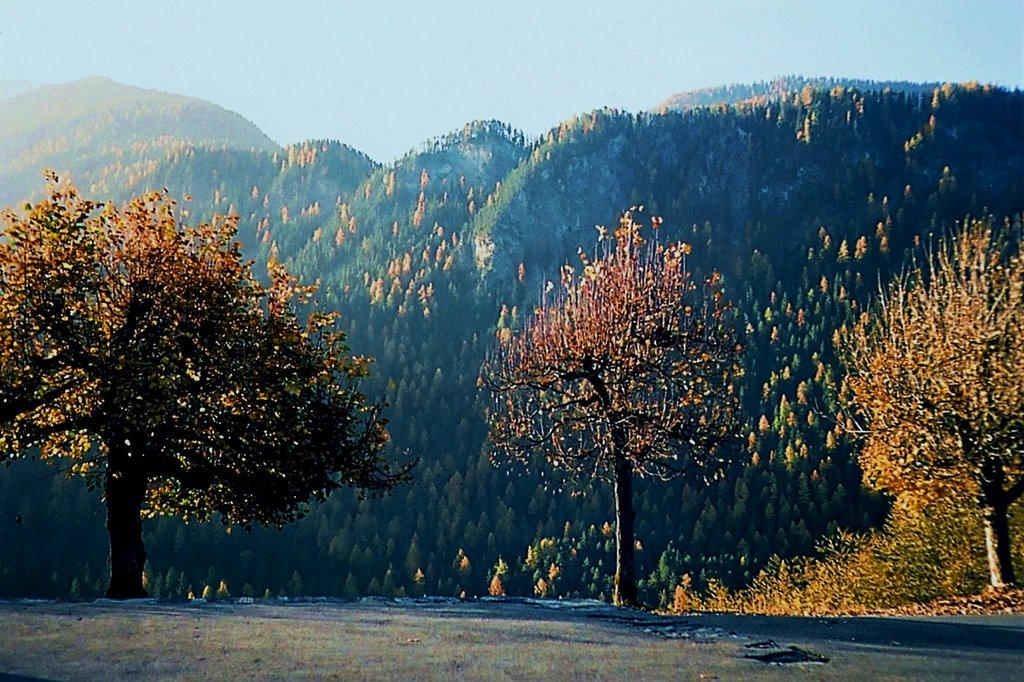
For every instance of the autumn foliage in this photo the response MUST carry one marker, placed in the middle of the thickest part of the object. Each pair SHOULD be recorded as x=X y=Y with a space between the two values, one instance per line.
x=626 y=368
x=936 y=382
x=147 y=354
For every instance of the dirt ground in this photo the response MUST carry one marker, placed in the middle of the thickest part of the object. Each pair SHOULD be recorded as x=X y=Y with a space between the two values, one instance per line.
x=487 y=640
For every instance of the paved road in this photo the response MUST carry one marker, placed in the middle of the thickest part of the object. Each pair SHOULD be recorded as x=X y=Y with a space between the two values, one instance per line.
x=995 y=633
x=490 y=639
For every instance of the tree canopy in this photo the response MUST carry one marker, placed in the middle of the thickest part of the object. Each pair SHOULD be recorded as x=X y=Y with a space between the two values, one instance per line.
x=937 y=375
x=624 y=369
x=146 y=353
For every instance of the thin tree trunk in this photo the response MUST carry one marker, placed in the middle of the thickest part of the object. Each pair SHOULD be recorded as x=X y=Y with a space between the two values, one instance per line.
x=125 y=495
x=625 y=535
x=997 y=546
x=995 y=502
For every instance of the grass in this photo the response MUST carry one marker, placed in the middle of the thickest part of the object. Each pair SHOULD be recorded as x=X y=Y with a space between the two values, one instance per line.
x=143 y=641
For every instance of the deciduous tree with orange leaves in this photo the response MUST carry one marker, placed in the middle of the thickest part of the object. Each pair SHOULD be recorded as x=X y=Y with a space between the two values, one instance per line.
x=145 y=355
x=626 y=369
x=936 y=381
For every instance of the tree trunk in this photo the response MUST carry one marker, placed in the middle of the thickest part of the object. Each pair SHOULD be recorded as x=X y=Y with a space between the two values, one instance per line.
x=625 y=535
x=997 y=546
x=994 y=503
x=125 y=494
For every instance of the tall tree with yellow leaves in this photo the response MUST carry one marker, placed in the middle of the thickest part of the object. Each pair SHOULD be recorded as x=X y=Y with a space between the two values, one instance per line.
x=936 y=376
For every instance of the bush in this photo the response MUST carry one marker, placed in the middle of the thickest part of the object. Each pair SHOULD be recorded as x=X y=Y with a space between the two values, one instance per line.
x=922 y=554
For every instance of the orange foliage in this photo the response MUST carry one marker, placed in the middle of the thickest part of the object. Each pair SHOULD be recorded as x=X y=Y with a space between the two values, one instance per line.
x=629 y=356
x=936 y=375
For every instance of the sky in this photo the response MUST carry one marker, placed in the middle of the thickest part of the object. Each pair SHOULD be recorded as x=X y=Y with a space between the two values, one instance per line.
x=384 y=76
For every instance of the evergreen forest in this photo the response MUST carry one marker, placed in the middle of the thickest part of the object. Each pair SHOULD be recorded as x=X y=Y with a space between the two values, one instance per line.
x=806 y=195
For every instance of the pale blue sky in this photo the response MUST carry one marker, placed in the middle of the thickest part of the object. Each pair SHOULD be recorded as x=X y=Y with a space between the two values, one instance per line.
x=385 y=76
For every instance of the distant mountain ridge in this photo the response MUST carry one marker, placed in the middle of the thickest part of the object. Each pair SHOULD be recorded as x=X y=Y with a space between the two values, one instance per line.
x=96 y=129
x=779 y=87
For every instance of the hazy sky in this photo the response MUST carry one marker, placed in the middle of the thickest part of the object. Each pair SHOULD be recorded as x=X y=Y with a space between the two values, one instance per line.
x=385 y=76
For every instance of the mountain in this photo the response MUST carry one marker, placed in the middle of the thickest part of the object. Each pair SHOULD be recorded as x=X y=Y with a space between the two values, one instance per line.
x=804 y=201
x=783 y=87
x=763 y=175
x=106 y=133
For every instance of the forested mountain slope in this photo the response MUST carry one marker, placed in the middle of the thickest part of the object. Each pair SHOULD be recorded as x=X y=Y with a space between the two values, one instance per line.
x=804 y=199
x=108 y=134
